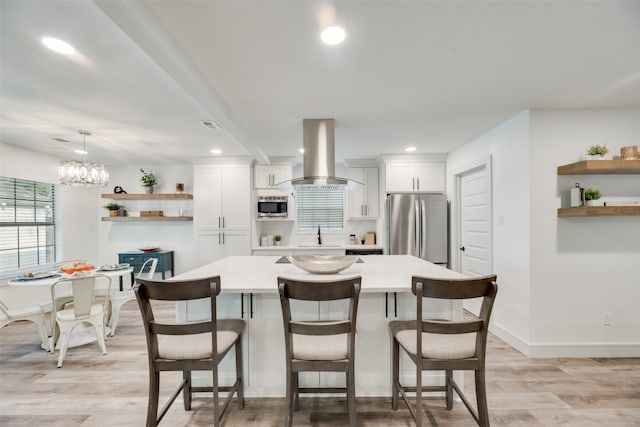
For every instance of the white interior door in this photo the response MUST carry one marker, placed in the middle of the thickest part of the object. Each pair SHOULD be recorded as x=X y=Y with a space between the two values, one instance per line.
x=475 y=226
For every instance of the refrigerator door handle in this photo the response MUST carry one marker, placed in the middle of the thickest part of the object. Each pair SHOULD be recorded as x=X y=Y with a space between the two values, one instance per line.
x=423 y=229
x=418 y=230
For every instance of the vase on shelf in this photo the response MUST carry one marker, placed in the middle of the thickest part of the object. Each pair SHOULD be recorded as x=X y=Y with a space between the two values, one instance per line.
x=148 y=189
x=594 y=157
x=594 y=203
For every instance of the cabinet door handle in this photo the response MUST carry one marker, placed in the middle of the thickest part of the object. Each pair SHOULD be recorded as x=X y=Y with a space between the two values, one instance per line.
x=366 y=210
x=418 y=182
x=251 y=305
x=223 y=226
x=223 y=238
x=413 y=183
x=219 y=237
x=218 y=222
x=242 y=305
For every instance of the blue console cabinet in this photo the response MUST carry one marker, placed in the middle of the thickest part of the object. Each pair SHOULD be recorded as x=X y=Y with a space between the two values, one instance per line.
x=137 y=258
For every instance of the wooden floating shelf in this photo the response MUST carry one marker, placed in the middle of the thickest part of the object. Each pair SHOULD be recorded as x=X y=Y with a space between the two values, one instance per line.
x=601 y=167
x=146 y=218
x=599 y=210
x=121 y=196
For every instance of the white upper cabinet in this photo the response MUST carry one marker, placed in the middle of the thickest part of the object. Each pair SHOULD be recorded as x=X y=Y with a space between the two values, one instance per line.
x=224 y=193
x=267 y=176
x=414 y=177
x=363 y=201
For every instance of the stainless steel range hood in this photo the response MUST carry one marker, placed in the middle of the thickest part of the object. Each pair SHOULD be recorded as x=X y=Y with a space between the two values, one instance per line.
x=319 y=157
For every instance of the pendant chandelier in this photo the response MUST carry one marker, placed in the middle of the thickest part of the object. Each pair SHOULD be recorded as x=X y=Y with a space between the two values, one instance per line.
x=83 y=174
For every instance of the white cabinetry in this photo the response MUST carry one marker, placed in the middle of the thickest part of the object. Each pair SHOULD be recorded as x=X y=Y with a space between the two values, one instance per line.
x=222 y=217
x=363 y=201
x=224 y=196
x=417 y=176
x=212 y=245
x=267 y=176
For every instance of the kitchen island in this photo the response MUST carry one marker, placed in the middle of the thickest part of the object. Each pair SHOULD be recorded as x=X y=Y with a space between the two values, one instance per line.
x=249 y=290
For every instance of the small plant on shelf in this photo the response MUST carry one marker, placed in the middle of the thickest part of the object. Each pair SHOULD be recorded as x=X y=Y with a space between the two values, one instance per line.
x=149 y=180
x=591 y=195
x=597 y=150
x=113 y=208
x=277 y=239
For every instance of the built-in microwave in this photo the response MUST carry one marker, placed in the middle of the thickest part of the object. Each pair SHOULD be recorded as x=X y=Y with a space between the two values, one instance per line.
x=272 y=206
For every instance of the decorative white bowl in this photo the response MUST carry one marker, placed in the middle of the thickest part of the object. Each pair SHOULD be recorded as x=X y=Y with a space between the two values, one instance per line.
x=323 y=264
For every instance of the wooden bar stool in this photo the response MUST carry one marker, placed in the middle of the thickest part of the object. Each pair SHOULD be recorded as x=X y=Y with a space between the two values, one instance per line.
x=444 y=345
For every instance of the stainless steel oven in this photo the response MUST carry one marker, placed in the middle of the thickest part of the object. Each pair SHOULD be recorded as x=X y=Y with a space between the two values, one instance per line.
x=273 y=206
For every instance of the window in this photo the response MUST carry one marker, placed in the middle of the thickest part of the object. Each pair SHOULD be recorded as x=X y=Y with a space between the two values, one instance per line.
x=320 y=206
x=27 y=227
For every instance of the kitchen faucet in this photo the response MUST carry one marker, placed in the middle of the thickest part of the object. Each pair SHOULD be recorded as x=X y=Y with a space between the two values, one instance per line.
x=319 y=239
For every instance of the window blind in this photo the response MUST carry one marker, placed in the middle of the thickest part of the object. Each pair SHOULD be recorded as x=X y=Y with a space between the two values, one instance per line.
x=320 y=206
x=27 y=223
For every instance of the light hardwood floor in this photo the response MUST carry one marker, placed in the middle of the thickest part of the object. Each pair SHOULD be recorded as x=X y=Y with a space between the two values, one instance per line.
x=95 y=390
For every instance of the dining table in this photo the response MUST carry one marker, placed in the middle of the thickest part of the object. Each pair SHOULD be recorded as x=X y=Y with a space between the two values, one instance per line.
x=46 y=278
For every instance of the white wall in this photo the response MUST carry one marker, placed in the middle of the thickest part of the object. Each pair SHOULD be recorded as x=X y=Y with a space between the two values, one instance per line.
x=116 y=237
x=558 y=276
x=508 y=147
x=582 y=267
x=77 y=213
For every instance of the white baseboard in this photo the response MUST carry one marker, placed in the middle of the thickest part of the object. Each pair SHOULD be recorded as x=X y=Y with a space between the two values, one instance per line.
x=513 y=340
x=549 y=350
x=585 y=350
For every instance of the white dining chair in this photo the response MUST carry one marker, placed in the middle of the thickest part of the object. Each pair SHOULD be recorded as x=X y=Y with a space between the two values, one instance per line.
x=85 y=310
x=32 y=313
x=120 y=298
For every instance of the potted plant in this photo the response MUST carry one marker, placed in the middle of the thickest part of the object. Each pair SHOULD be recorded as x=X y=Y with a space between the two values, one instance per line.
x=592 y=195
x=277 y=239
x=596 y=152
x=113 y=208
x=149 y=180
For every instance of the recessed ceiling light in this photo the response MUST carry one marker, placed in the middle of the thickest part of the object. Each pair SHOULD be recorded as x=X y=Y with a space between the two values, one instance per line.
x=333 y=35
x=58 y=45
x=216 y=151
x=409 y=149
x=210 y=124
x=302 y=150
x=80 y=152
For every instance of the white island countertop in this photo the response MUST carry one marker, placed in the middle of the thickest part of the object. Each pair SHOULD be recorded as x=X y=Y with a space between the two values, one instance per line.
x=258 y=274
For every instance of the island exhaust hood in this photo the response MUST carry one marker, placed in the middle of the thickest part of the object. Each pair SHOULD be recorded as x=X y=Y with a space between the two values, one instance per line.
x=319 y=167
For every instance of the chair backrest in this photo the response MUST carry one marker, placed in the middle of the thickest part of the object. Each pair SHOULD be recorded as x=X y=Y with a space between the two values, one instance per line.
x=456 y=289
x=83 y=290
x=147 y=290
x=153 y=264
x=290 y=289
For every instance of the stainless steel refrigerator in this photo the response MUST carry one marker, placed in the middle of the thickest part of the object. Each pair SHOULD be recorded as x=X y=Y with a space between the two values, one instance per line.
x=417 y=224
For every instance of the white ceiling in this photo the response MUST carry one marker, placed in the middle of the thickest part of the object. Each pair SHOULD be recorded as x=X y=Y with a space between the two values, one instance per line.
x=433 y=74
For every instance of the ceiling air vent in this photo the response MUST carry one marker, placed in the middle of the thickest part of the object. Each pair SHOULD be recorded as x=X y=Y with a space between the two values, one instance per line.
x=209 y=124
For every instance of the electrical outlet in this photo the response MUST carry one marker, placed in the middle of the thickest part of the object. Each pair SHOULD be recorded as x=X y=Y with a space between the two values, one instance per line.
x=606 y=318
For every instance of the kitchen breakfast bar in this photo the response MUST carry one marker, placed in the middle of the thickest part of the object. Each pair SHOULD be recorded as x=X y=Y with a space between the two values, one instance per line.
x=249 y=290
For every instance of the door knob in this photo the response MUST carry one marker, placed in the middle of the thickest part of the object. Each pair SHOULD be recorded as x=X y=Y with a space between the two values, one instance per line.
x=462 y=249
